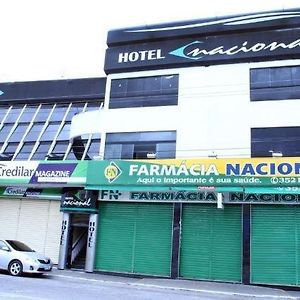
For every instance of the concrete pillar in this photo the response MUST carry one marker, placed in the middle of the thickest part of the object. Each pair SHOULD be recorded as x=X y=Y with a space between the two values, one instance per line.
x=91 y=243
x=64 y=241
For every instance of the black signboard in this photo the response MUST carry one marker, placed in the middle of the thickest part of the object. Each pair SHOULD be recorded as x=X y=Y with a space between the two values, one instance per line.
x=242 y=47
x=75 y=200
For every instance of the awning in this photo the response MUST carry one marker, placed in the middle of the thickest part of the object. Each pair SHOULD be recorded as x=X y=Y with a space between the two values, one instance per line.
x=227 y=189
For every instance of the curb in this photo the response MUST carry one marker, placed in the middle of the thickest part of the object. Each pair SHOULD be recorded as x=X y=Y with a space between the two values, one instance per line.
x=146 y=285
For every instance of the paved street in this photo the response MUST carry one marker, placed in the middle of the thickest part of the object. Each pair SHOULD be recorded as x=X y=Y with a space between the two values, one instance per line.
x=79 y=285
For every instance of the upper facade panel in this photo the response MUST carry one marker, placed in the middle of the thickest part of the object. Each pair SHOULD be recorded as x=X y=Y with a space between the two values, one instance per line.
x=229 y=39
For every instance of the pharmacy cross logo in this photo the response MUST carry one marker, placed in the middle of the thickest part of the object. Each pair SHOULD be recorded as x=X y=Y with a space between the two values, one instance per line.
x=112 y=172
x=196 y=50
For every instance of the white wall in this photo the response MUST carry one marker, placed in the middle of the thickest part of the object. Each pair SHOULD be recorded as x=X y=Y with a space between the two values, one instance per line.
x=214 y=113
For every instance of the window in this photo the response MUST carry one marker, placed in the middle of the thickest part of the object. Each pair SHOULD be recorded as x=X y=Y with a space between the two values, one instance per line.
x=13 y=115
x=11 y=148
x=59 y=113
x=65 y=132
x=5 y=130
x=34 y=132
x=94 y=147
x=74 y=110
x=50 y=131
x=28 y=114
x=140 y=145
x=265 y=141
x=60 y=148
x=43 y=113
x=41 y=151
x=275 y=83
x=43 y=131
x=3 y=111
x=18 y=133
x=25 y=151
x=144 y=91
x=93 y=106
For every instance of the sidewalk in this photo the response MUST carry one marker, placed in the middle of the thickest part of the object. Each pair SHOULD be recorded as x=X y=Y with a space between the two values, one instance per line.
x=228 y=289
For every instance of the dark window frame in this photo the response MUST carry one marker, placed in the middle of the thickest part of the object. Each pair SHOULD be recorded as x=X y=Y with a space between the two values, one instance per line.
x=275 y=83
x=144 y=91
x=268 y=140
x=136 y=145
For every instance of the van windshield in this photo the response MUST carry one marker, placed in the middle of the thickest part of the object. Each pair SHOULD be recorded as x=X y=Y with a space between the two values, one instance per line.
x=19 y=246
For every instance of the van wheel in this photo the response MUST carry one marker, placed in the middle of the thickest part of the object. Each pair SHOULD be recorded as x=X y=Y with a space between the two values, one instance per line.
x=15 y=268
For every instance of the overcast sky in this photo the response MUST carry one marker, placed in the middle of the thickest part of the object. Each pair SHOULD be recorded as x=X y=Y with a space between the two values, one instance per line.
x=61 y=39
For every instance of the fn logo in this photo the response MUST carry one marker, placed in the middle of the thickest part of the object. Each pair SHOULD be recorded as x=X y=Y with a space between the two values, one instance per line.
x=110 y=194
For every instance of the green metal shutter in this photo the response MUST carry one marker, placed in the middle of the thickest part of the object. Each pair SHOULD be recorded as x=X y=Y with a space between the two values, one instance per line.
x=115 y=236
x=135 y=238
x=211 y=242
x=275 y=236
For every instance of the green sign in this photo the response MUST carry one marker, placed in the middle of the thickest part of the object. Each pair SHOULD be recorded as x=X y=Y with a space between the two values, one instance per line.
x=268 y=172
x=196 y=197
x=32 y=193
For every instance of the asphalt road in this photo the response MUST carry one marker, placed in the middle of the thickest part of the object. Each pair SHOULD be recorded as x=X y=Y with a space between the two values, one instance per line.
x=77 y=288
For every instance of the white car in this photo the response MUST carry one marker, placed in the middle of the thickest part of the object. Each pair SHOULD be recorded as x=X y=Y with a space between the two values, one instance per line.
x=18 y=258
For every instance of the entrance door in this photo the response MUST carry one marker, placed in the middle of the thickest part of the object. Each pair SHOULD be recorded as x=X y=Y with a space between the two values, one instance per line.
x=135 y=238
x=78 y=240
x=275 y=244
x=211 y=242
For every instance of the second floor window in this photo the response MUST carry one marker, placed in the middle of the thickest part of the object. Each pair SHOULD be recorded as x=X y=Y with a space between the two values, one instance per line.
x=144 y=91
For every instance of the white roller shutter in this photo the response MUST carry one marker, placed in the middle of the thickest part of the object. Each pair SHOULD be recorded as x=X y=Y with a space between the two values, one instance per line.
x=9 y=218
x=53 y=231
x=34 y=222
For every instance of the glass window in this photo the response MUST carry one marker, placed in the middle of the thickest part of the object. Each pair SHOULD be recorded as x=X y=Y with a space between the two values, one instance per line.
x=277 y=83
x=141 y=151
x=265 y=141
x=140 y=145
x=165 y=150
x=18 y=133
x=3 y=111
x=43 y=113
x=34 y=132
x=25 y=151
x=41 y=151
x=59 y=113
x=28 y=114
x=5 y=130
x=95 y=105
x=65 y=132
x=94 y=148
x=144 y=91
x=71 y=156
x=78 y=148
x=11 y=148
x=50 y=131
x=75 y=109
x=60 y=147
x=13 y=115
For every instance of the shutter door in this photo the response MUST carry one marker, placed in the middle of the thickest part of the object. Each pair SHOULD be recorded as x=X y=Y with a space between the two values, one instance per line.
x=275 y=238
x=34 y=222
x=134 y=238
x=152 y=252
x=9 y=216
x=211 y=242
x=53 y=231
